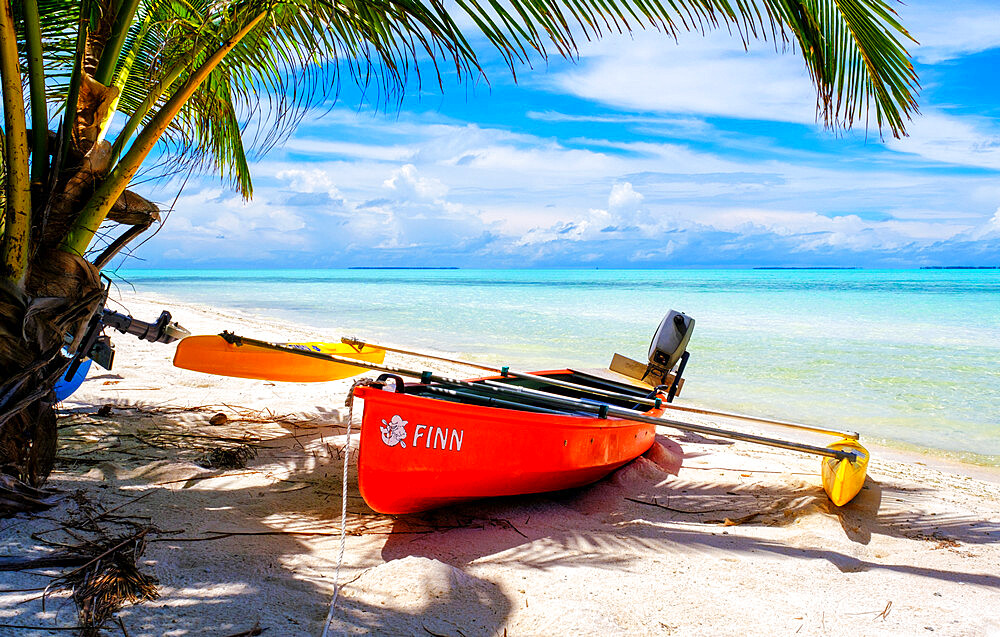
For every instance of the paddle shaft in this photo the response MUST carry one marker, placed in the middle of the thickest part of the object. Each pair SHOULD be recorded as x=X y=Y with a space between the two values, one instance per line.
x=359 y=343
x=611 y=394
x=600 y=409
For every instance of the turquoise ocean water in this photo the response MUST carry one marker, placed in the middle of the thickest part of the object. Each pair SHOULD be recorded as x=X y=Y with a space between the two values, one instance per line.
x=909 y=358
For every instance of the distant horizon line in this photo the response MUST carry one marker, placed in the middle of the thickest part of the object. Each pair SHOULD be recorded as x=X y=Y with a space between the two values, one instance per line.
x=566 y=267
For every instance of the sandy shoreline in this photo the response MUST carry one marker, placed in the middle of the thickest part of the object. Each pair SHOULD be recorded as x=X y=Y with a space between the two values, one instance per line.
x=642 y=552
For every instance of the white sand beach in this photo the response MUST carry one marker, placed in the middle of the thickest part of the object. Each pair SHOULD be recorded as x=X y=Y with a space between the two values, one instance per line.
x=737 y=540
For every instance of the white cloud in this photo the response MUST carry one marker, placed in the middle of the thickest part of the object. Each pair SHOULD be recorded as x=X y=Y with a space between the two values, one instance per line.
x=210 y=224
x=308 y=180
x=623 y=195
x=324 y=148
x=967 y=140
x=679 y=125
x=810 y=230
x=657 y=254
x=780 y=222
x=486 y=195
x=570 y=231
x=711 y=76
x=989 y=230
x=407 y=183
x=948 y=29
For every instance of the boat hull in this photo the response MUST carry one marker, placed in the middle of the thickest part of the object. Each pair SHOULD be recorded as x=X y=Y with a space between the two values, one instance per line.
x=421 y=453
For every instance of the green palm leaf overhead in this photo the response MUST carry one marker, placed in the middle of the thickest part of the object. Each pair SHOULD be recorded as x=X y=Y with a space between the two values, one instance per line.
x=294 y=60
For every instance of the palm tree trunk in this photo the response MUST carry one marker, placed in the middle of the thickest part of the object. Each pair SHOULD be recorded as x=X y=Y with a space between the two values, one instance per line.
x=112 y=49
x=17 y=217
x=36 y=84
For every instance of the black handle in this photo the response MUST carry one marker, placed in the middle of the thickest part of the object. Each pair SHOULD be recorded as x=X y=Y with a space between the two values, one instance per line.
x=397 y=381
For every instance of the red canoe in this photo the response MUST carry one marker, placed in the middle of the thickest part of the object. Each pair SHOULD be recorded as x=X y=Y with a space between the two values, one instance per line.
x=424 y=448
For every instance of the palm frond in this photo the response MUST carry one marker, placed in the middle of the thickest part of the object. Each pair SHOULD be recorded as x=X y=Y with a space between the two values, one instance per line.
x=296 y=59
x=855 y=56
x=209 y=121
x=853 y=49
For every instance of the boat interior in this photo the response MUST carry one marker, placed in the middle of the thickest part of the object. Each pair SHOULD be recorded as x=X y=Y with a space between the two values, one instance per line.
x=536 y=395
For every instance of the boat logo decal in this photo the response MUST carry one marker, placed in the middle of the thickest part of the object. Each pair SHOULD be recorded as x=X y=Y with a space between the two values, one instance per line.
x=394 y=432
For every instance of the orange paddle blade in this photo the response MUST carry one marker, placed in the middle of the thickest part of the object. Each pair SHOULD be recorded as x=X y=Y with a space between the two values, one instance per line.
x=213 y=355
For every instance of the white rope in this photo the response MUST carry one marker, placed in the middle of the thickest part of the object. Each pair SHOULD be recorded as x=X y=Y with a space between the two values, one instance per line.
x=343 y=514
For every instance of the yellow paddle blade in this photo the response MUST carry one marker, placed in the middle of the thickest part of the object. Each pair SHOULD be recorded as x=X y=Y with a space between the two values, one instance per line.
x=213 y=355
x=842 y=479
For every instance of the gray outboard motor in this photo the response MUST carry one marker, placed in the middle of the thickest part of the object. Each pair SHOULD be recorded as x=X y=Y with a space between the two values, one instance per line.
x=670 y=340
x=669 y=347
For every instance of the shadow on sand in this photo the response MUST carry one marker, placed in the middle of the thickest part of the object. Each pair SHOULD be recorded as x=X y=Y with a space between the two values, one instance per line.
x=232 y=548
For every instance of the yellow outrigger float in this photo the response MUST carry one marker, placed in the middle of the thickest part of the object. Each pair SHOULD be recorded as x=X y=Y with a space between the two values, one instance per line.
x=843 y=478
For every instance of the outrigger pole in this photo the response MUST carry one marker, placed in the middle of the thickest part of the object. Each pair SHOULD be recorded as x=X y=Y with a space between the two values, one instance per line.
x=506 y=371
x=602 y=410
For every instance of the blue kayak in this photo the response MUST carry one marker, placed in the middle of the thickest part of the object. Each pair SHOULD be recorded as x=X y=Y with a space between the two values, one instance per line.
x=66 y=386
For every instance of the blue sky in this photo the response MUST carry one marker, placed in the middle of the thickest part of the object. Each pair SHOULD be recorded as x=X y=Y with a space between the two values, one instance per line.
x=645 y=153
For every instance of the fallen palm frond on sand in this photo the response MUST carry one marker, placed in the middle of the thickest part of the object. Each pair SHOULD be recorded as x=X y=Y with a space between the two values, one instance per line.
x=110 y=579
x=17 y=497
x=104 y=568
